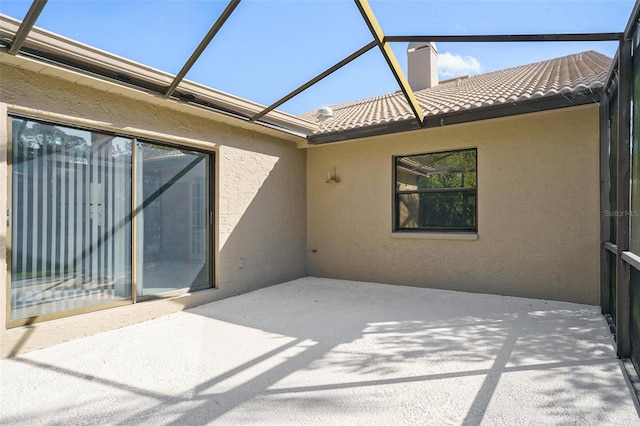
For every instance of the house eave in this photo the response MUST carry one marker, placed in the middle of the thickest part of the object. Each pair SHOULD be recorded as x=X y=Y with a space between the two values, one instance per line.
x=560 y=100
x=51 y=49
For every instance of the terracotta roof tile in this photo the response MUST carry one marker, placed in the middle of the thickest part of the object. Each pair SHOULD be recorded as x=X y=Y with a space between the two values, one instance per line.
x=568 y=74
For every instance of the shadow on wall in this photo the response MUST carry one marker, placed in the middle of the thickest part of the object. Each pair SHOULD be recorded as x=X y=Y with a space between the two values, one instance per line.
x=315 y=349
x=265 y=227
x=267 y=244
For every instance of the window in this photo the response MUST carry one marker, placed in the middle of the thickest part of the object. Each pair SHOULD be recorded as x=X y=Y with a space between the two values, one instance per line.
x=78 y=197
x=436 y=191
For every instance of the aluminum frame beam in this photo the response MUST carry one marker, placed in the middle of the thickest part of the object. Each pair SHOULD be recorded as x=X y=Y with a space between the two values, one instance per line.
x=378 y=36
x=316 y=79
x=633 y=20
x=226 y=13
x=512 y=38
x=605 y=204
x=623 y=302
x=25 y=27
x=379 y=39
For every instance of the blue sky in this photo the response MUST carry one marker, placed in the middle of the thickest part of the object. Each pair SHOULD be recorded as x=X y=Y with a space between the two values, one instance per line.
x=268 y=47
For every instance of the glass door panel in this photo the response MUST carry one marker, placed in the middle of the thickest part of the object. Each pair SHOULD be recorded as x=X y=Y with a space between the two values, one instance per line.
x=71 y=227
x=172 y=219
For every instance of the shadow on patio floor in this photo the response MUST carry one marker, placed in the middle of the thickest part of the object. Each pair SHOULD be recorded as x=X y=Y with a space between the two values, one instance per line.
x=328 y=351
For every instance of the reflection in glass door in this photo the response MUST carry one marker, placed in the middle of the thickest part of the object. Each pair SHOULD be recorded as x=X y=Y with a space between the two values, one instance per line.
x=198 y=220
x=72 y=220
x=70 y=210
x=172 y=223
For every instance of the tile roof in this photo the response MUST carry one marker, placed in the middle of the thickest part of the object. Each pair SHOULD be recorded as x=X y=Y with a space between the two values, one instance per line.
x=570 y=74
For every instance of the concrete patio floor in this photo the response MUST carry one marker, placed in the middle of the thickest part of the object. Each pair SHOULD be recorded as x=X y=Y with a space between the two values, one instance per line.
x=318 y=351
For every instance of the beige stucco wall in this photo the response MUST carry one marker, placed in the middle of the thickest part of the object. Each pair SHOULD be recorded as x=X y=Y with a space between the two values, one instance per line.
x=537 y=197
x=261 y=193
x=538 y=211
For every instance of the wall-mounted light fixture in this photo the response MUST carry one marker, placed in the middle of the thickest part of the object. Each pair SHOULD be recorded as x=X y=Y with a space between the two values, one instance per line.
x=332 y=178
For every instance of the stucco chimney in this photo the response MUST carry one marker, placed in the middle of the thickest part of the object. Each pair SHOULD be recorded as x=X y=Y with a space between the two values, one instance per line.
x=422 y=67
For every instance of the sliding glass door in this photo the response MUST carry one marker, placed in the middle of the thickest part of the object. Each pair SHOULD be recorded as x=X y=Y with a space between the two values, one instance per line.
x=72 y=220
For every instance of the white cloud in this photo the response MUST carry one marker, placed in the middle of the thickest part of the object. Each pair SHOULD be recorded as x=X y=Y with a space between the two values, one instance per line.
x=450 y=65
